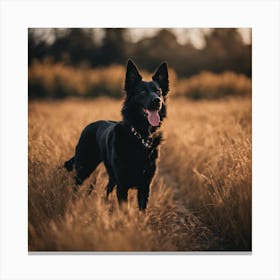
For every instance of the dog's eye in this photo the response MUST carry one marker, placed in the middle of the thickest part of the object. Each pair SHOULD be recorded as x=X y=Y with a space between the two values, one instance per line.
x=158 y=92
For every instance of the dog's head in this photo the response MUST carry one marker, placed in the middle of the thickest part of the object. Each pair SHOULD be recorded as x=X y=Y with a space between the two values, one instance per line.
x=145 y=100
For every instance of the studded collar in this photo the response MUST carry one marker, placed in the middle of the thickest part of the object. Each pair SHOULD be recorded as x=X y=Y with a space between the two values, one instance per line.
x=147 y=143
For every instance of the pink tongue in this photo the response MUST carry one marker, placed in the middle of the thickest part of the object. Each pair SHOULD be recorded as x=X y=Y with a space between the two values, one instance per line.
x=153 y=118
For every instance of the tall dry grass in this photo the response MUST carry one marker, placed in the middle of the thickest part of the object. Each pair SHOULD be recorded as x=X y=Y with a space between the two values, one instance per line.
x=48 y=80
x=200 y=198
x=58 y=80
x=207 y=85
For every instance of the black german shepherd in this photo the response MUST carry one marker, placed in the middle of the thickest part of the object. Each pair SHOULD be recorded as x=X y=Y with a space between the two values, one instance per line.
x=128 y=149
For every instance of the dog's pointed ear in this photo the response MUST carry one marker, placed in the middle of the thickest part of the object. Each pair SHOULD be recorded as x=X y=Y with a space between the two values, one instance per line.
x=132 y=76
x=161 y=77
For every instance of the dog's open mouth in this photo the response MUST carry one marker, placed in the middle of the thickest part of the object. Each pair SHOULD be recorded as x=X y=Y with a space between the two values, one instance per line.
x=153 y=117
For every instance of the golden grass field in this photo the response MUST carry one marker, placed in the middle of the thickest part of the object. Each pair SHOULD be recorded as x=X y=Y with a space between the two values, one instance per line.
x=200 y=198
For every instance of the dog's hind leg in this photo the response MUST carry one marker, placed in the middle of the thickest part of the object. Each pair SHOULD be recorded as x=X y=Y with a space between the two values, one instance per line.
x=110 y=186
x=142 y=197
x=84 y=172
x=122 y=195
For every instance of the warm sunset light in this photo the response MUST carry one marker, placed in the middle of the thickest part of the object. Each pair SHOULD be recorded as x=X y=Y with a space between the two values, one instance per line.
x=140 y=139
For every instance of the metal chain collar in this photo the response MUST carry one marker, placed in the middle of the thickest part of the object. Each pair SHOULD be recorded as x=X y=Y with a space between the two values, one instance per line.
x=147 y=143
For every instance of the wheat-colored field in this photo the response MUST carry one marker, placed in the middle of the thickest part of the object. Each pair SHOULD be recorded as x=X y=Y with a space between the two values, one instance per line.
x=200 y=198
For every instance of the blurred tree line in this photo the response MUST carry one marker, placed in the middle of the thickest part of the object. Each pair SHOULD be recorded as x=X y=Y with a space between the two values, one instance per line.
x=224 y=50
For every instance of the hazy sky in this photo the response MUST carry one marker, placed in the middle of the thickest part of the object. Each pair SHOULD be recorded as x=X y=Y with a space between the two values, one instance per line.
x=194 y=35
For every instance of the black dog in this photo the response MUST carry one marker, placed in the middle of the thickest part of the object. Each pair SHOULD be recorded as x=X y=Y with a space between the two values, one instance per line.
x=129 y=148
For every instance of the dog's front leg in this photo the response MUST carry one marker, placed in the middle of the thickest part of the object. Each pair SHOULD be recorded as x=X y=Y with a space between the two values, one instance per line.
x=143 y=196
x=122 y=195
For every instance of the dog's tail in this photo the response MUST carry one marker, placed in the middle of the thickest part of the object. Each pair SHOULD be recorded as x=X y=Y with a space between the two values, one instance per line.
x=69 y=164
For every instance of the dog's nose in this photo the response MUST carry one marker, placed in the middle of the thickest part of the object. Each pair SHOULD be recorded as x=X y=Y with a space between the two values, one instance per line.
x=156 y=101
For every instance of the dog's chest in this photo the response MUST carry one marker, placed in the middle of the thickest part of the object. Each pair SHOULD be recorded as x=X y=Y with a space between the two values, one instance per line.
x=136 y=164
x=133 y=161
x=137 y=159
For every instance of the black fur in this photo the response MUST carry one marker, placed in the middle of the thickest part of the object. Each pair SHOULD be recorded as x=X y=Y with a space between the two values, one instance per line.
x=128 y=161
